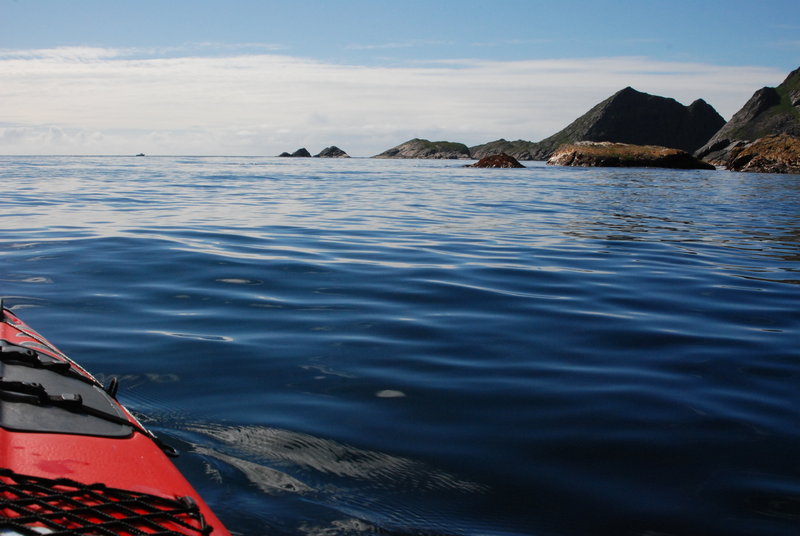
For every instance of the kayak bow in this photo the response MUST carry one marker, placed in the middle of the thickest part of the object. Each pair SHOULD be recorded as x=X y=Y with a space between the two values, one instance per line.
x=73 y=460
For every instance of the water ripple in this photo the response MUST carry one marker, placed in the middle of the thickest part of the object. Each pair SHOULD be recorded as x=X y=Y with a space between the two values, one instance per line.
x=410 y=347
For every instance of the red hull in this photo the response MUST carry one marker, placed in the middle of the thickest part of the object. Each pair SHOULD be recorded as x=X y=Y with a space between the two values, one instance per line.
x=134 y=463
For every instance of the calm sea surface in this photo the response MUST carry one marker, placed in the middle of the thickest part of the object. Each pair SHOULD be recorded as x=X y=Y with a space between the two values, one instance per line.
x=357 y=347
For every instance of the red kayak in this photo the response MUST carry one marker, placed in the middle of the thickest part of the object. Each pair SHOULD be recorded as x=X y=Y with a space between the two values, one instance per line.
x=73 y=460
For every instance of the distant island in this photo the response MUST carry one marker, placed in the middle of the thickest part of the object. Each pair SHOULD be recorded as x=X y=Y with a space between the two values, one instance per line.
x=327 y=152
x=628 y=116
x=651 y=127
x=418 y=148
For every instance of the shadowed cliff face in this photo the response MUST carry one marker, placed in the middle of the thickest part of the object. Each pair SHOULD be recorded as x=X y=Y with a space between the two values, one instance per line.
x=642 y=119
x=630 y=116
x=769 y=111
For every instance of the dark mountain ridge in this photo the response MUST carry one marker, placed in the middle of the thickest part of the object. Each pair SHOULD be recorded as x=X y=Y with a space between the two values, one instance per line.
x=630 y=116
x=627 y=116
x=770 y=111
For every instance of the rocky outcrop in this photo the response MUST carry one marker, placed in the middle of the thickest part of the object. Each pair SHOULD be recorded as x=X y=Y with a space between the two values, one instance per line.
x=771 y=110
x=608 y=154
x=418 y=148
x=501 y=160
x=771 y=154
x=520 y=149
x=633 y=117
x=302 y=152
x=332 y=152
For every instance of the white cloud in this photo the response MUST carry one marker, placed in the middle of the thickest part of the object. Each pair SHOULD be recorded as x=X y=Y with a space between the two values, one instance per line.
x=93 y=100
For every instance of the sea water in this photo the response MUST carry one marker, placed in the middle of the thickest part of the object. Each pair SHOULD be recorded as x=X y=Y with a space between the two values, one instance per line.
x=365 y=346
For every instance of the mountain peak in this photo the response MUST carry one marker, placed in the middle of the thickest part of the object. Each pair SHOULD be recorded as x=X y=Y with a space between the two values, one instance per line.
x=634 y=117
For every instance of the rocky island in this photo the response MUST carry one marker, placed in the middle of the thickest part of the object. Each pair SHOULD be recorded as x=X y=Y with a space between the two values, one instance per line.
x=332 y=152
x=419 y=148
x=610 y=154
x=501 y=160
x=520 y=149
x=300 y=153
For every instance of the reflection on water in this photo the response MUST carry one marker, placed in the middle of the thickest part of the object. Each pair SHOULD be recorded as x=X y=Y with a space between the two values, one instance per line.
x=309 y=453
x=358 y=490
x=267 y=479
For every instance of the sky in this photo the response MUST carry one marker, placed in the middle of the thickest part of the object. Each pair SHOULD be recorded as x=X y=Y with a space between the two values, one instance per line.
x=235 y=77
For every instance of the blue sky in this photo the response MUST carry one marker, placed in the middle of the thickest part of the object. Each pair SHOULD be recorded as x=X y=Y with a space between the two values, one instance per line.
x=261 y=77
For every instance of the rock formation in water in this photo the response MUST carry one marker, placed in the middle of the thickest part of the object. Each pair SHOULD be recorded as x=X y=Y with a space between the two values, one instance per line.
x=501 y=160
x=302 y=152
x=609 y=154
x=779 y=153
x=332 y=152
x=418 y=148
x=633 y=117
x=771 y=110
x=520 y=149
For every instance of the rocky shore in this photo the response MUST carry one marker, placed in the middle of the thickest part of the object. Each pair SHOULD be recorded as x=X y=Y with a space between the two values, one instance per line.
x=332 y=152
x=771 y=154
x=609 y=154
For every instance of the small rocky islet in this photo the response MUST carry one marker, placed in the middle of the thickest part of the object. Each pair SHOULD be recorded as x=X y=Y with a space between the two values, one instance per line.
x=635 y=129
x=331 y=152
x=612 y=154
x=327 y=152
x=501 y=160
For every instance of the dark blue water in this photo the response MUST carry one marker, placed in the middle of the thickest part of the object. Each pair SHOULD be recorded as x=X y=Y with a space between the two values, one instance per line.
x=360 y=346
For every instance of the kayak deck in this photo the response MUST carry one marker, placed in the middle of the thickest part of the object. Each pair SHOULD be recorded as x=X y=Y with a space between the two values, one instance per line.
x=73 y=460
